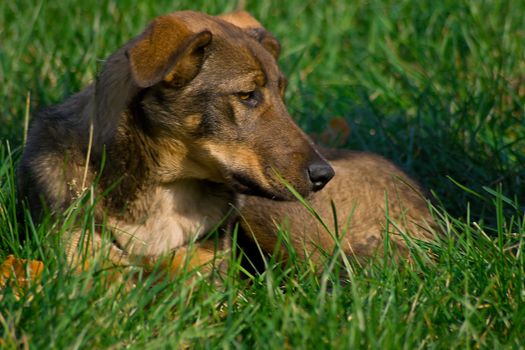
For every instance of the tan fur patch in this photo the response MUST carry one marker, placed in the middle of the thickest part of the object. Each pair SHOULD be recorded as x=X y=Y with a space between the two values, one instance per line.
x=193 y=121
x=234 y=156
x=176 y=215
x=176 y=161
x=241 y=19
x=192 y=257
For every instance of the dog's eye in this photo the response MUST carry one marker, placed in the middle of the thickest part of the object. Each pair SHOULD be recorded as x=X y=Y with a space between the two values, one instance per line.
x=246 y=95
x=249 y=98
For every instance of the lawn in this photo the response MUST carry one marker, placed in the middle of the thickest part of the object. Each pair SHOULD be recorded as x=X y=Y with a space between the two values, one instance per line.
x=438 y=87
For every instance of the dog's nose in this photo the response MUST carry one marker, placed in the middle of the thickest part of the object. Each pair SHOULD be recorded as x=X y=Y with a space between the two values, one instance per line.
x=320 y=172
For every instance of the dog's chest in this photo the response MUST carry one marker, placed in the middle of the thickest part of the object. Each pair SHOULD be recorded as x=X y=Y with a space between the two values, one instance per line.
x=168 y=217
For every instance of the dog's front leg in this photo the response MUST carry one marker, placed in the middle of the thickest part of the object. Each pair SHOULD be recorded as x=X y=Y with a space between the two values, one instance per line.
x=207 y=257
x=83 y=248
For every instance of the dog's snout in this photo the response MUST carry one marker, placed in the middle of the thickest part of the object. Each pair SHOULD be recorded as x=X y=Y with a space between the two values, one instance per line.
x=319 y=173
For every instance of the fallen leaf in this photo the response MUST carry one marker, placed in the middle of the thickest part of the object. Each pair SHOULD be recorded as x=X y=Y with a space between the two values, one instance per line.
x=336 y=133
x=19 y=274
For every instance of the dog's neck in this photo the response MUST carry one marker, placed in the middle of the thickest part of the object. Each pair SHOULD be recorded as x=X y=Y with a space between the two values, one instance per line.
x=147 y=204
x=166 y=217
x=150 y=216
x=136 y=162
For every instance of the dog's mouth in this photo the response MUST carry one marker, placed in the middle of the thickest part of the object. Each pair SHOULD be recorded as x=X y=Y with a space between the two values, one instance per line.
x=244 y=184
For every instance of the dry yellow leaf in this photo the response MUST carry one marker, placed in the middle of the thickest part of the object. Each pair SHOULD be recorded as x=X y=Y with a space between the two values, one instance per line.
x=19 y=273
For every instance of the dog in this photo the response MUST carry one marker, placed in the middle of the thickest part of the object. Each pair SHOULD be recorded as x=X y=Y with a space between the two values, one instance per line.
x=179 y=121
x=185 y=130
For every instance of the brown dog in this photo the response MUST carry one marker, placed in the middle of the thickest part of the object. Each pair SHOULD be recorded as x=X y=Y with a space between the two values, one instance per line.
x=182 y=120
x=179 y=121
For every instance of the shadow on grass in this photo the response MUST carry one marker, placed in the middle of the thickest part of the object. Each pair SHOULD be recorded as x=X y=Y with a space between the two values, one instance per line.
x=459 y=161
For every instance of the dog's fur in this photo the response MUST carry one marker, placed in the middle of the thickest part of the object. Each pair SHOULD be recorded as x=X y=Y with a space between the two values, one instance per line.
x=370 y=198
x=182 y=120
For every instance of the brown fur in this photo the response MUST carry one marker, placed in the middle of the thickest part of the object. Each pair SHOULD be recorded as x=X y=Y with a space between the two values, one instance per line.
x=363 y=186
x=184 y=118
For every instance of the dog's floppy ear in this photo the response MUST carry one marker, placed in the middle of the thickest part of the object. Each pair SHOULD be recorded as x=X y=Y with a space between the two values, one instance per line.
x=167 y=50
x=250 y=25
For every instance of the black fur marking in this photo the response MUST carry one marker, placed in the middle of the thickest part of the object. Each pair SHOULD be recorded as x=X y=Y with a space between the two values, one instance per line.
x=159 y=96
x=244 y=184
x=230 y=112
x=257 y=33
x=208 y=125
x=138 y=113
x=210 y=118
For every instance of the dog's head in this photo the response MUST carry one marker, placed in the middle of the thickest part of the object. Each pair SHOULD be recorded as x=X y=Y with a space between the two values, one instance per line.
x=210 y=100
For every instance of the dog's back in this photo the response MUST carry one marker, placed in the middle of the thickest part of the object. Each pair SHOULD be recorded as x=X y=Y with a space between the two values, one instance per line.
x=53 y=148
x=371 y=198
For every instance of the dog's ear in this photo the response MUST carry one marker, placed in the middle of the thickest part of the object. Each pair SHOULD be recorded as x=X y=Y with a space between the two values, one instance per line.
x=167 y=51
x=250 y=25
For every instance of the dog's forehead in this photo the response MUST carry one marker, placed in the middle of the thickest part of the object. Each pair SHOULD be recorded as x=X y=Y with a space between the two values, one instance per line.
x=235 y=49
x=239 y=59
x=237 y=31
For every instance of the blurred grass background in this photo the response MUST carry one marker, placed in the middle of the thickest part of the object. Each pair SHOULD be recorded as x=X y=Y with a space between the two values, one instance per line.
x=436 y=86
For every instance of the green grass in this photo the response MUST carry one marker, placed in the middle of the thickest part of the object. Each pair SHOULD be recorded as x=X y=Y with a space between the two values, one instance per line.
x=436 y=86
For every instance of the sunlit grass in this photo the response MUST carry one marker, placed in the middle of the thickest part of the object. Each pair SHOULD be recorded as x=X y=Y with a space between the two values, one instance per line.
x=436 y=86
